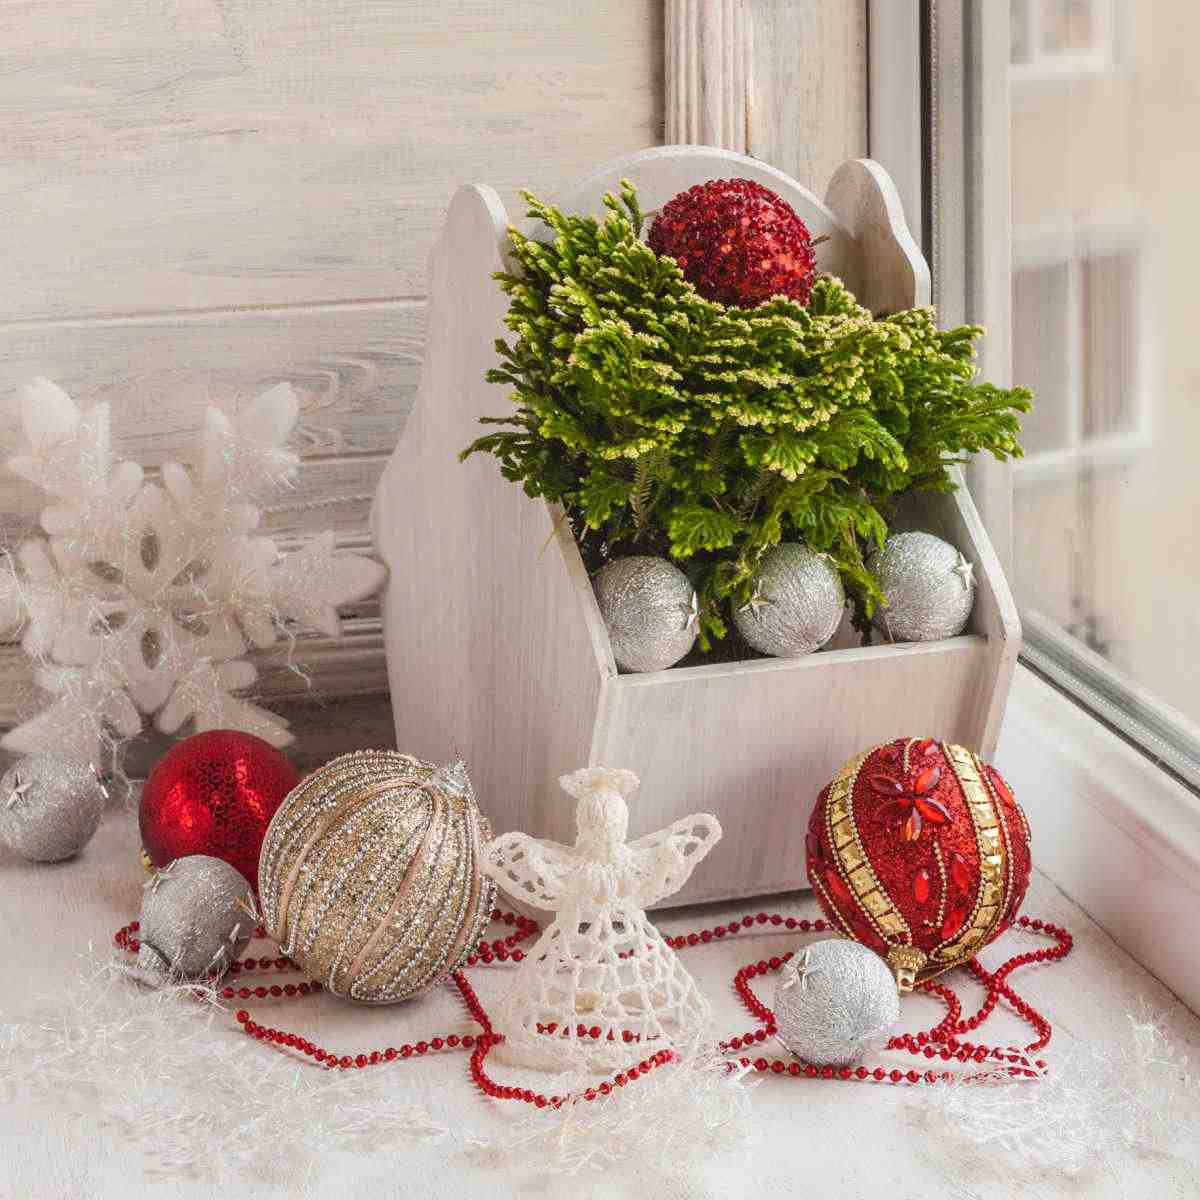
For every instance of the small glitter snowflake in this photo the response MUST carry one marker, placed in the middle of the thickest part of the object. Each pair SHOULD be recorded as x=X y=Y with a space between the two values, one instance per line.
x=146 y=596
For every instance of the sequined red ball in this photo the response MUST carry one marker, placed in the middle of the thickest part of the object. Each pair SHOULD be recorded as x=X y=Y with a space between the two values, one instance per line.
x=919 y=850
x=214 y=793
x=737 y=242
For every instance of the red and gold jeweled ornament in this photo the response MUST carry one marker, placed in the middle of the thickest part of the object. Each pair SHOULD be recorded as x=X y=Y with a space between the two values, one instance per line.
x=214 y=793
x=919 y=850
x=736 y=242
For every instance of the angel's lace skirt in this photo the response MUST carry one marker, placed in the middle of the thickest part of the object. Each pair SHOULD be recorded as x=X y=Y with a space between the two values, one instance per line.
x=605 y=970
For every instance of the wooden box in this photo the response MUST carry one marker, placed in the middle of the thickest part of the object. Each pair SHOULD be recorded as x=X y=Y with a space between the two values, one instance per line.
x=495 y=646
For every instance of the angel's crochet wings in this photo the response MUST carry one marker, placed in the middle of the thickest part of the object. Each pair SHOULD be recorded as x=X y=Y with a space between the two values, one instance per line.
x=662 y=862
x=530 y=869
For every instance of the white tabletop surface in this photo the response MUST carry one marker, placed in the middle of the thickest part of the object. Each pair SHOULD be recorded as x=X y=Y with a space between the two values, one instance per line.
x=811 y=1138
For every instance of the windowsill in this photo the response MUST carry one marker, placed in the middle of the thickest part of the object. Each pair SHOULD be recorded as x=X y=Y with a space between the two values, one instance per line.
x=860 y=1141
x=1113 y=830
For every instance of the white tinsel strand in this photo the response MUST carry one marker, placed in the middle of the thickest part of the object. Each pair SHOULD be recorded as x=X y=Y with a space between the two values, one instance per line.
x=1090 y=1110
x=693 y=1106
x=163 y=1067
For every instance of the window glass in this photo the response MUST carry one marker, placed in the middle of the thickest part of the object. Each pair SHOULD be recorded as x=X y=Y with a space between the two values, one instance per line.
x=1105 y=161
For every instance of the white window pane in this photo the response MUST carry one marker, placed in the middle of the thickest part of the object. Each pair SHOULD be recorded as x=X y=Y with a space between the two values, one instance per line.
x=1106 y=254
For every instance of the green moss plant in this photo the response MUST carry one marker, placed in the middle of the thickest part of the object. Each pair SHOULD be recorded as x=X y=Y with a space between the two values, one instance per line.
x=665 y=423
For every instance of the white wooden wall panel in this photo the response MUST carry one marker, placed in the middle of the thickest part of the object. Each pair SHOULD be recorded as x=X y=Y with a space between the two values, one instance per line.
x=200 y=198
x=182 y=154
x=354 y=368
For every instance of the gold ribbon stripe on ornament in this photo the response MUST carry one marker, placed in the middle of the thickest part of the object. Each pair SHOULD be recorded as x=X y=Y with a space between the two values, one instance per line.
x=852 y=862
x=991 y=841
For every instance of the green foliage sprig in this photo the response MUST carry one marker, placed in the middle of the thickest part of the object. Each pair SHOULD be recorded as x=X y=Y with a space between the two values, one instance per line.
x=666 y=423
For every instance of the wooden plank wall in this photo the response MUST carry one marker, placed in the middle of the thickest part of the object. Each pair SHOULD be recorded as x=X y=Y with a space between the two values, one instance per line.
x=200 y=198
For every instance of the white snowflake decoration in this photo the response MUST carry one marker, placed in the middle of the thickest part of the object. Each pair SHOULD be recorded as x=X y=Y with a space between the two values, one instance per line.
x=602 y=962
x=145 y=597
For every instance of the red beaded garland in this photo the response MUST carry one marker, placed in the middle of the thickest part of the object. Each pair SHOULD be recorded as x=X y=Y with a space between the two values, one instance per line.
x=943 y=1041
x=214 y=793
x=737 y=243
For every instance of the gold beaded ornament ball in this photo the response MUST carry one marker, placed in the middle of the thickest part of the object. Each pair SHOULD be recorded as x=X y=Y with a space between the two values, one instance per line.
x=369 y=875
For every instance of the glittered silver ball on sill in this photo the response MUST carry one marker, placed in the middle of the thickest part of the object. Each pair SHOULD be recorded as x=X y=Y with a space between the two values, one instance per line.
x=198 y=915
x=50 y=807
x=834 y=998
x=929 y=588
x=651 y=610
x=797 y=603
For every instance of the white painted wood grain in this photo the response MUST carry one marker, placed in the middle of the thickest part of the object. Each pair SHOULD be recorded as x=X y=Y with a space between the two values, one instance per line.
x=808 y=94
x=354 y=369
x=755 y=742
x=894 y=275
x=995 y=614
x=709 y=48
x=490 y=651
x=192 y=154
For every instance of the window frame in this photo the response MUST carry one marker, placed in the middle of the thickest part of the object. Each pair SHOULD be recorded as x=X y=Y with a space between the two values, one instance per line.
x=1123 y=819
x=1052 y=67
x=1070 y=248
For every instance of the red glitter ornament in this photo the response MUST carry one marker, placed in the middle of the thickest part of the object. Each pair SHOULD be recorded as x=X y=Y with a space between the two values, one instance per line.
x=919 y=850
x=214 y=793
x=737 y=242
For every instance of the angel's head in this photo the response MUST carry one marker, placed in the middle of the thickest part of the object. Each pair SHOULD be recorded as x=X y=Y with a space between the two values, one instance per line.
x=602 y=814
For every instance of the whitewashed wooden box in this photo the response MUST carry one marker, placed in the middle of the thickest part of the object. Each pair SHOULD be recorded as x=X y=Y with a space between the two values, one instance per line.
x=495 y=646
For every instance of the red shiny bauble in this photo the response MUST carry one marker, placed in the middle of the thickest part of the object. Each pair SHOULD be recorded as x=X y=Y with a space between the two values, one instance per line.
x=214 y=793
x=919 y=850
x=737 y=243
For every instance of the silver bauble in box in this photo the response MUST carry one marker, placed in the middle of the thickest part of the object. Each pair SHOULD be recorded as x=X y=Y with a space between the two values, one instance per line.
x=50 y=807
x=834 y=998
x=797 y=603
x=651 y=610
x=198 y=915
x=370 y=874
x=928 y=585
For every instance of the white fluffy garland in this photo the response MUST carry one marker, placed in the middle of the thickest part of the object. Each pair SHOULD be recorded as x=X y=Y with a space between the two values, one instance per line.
x=146 y=596
x=1090 y=1110
x=162 y=1067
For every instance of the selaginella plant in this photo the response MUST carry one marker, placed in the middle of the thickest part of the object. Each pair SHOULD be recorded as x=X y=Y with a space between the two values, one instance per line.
x=665 y=423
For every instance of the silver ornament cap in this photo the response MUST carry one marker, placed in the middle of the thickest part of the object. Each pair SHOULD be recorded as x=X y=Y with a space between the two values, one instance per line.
x=198 y=915
x=651 y=610
x=50 y=807
x=797 y=603
x=834 y=998
x=929 y=588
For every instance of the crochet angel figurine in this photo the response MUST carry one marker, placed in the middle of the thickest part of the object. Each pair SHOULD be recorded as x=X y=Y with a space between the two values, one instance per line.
x=601 y=966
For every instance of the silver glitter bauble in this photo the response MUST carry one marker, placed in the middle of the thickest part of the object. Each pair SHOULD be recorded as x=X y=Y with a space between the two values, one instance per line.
x=929 y=588
x=198 y=915
x=651 y=610
x=370 y=875
x=797 y=603
x=50 y=807
x=834 y=998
